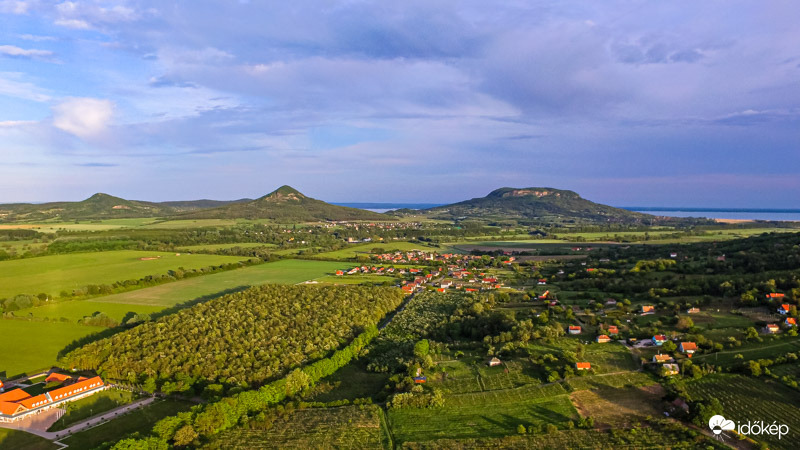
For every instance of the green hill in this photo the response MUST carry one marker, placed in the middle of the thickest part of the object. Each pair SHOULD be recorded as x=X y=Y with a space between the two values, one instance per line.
x=193 y=205
x=537 y=204
x=285 y=204
x=98 y=206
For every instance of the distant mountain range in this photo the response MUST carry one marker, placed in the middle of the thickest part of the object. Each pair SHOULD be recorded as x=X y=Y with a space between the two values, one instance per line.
x=542 y=204
x=286 y=204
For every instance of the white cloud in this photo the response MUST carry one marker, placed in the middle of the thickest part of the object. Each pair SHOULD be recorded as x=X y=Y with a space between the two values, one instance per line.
x=73 y=23
x=11 y=86
x=12 y=50
x=14 y=6
x=84 y=117
x=36 y=38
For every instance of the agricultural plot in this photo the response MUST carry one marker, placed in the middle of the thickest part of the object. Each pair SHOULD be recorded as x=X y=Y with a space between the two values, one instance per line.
x=509 y=375
x=28 y=346
x=344 y=427
x=365 y=249
x=616 y=380
x=75 y=310
x=349 y=383
x=484 y=414
x=357 y=279
x=53 y=274
x=213 y=247
x=140 y=420
x=618 y=407
x=752 y=399
x=757 y=350
x=609 y=358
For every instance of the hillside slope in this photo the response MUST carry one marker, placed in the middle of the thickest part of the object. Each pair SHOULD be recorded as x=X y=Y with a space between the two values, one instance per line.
x=285 y=204
x=98 y=206
x=535 y=204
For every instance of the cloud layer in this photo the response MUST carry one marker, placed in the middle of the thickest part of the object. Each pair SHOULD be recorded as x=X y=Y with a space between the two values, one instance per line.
x=422 y=101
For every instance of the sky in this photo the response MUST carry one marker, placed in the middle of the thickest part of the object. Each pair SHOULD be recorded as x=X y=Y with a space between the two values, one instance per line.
x=629 y=103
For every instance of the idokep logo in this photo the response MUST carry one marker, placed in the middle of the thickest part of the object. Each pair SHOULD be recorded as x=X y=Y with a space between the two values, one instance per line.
x=718 y=424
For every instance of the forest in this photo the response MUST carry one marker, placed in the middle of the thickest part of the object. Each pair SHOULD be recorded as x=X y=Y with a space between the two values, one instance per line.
x=241 y=339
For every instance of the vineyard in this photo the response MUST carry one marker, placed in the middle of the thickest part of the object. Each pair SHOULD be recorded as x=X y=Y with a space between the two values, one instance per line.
x=343 y=427
x=615 y=381
x=744 y=399
x=246 y=337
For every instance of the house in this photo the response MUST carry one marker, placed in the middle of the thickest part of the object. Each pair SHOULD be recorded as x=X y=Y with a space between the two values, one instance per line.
x=692 y=310
x=659 y=358
x=574 y=329
x=494 y=362
x=771 y=328
x=58 y=377
x=670 y=369
x=583 y=366
x=688 y=347
x=613 y=330
x=784 y=308
x=648 y=309
x=611 y=302
x=673 y=255
x=775 y=295
x=602 y=339
x=659 y=339
x=339 y=273
x=542 y=281
x=17 y=404
x=790 y=322
x=420 y=379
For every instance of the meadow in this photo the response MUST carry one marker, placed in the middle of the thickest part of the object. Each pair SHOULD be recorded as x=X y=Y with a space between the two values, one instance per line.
x=85 y=408
x=214 y=247
x=53 y=274
x=353 y=251
x=28 y=346
x=20 y=440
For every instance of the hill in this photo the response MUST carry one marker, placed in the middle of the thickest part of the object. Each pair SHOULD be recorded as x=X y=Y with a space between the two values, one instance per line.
x=98 y=206
x=285 y=204
x=192 y=205
x=538 y=204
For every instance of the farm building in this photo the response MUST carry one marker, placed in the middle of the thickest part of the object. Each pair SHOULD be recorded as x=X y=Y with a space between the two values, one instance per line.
x=17 y=404
x=771 y=328
x=583 y=366
x=688 y=347
x=603 y=339
x=659 y=339
x=670 y=369
x=659 y=358
x=574 y=329
x=494 y=362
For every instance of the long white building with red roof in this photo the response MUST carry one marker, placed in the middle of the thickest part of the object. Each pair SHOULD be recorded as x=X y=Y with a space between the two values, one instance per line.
x=17 y=404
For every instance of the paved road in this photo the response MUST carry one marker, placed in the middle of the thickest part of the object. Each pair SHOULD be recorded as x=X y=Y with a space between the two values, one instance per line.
x=89 y=423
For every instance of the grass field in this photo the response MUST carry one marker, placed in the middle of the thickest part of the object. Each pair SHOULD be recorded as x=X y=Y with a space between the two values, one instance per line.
x=156 y=298
x=29 y=346
x=356 y=279
x=84 y=408
x=52 y=274
x=484 y=414
x=618 y=407
x=353 y=427
x=20 y=440
x=744 y=398
x=140 y=420
x=353 y=251
x=757 y=350
x=212 y=247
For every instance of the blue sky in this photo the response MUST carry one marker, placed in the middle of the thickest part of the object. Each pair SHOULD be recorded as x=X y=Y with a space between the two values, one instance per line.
x=679 y=103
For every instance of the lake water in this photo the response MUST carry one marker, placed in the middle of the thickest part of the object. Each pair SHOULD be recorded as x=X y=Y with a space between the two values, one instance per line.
x=720 y=213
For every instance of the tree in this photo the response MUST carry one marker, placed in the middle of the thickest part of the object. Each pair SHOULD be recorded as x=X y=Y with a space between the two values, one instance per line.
x=521 y=429
x=669 y=346
x=751 y=333
x=185 y=436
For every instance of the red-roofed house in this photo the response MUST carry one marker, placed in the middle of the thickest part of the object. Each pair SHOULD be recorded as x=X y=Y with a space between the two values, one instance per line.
x=612 y=330
x=574 y=329
x=661 y=358
x=784 y=308
x=771 y=328
x=775 y=295
x=57 y=377
x=16 y=404
x=688 y=347
x=583 y=366
x=659 y=339
x=648 y=309
x=790 y=322
x=603 y=339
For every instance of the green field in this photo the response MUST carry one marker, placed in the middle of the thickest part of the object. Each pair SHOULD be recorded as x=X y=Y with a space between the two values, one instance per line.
x=755 y=350
x=356 y=279
x=52 y=274
x=745 y=398
x=353 y=251
x=353 y=427
x=484 y=414
x=29 y=346
x=154 y=299
x=141 y=420
x=20 y=440
x=85 y=408
x=213 y=247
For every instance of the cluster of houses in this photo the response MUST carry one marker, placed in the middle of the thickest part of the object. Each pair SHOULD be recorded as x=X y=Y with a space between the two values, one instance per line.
x=415 y=256
x=611 y=330
x=17 y=403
